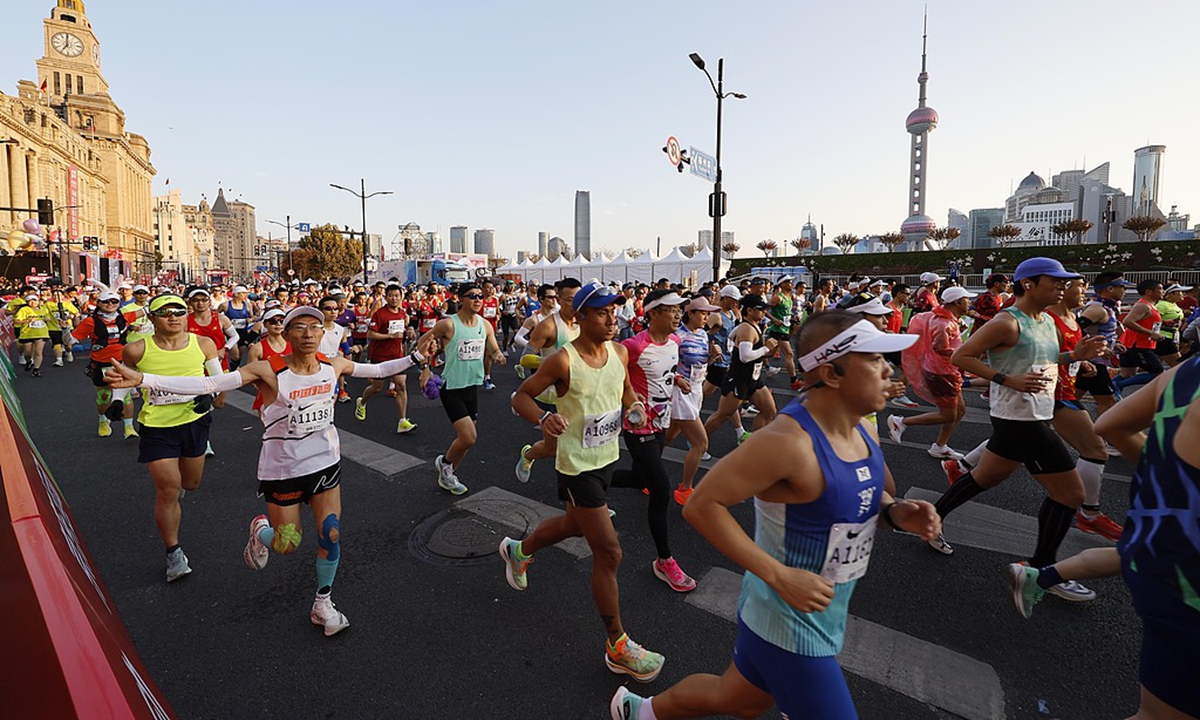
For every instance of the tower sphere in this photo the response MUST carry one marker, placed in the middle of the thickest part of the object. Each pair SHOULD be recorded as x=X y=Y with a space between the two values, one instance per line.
x=921 y=120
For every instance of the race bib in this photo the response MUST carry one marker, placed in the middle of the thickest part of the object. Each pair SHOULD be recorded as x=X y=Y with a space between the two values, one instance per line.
x=162 y=397
x=756 y=371
x=489 y=311
x=1073 y=369
x=1156 y=327
x=144 y=328
x=361 y=327
x=699 y=372
x=600 y=430
x=37 y=324
x=427 y=324
x=470 y=349
x=239 y=323
x=308 y=418
x=395 y=326
x=848 y=551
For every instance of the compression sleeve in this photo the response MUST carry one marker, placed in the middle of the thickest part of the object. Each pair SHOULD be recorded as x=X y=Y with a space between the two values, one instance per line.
x=231 y=337
x=522 y=337
x=747 y=353
x=194 y=385
x=213 y=366
x=386 y=369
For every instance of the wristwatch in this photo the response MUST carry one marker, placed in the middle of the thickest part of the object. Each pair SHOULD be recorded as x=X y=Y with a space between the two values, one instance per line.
x=999 y=378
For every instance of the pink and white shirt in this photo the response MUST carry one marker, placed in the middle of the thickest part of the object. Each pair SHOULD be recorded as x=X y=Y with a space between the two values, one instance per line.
x=652 y=372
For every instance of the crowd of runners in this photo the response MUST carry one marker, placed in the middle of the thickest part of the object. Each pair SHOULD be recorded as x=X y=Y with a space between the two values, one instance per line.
x=606 y=367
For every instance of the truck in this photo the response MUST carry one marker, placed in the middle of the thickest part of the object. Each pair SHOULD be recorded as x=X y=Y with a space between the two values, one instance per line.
x=425 y=271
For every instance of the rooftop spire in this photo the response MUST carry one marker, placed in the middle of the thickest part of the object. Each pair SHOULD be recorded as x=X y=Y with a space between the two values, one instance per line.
x=924 y=76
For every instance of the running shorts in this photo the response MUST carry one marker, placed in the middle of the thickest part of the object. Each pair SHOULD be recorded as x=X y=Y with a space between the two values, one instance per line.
x=1165 y=347
x=95 y=370
x=294 y=491
x=588 y=489
x=716 y=375
x=803 y=686
x=189 y=440
x=1143 y=358
x=1170 y=640
x=1099 y=384
x=686 y=406
x=1067 y=405
x=56 y=337
x=1031 y=442
x=781 y=335
x=460 y=403
x=743 y=390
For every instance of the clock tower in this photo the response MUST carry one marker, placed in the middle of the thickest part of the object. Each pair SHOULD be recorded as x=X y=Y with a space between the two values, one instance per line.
x=69 y=70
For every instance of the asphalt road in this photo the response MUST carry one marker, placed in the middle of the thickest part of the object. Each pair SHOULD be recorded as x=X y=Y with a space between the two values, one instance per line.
x=453 y=641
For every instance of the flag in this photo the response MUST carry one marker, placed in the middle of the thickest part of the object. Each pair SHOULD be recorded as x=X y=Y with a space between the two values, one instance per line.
x=43 y=88
x=168 y=181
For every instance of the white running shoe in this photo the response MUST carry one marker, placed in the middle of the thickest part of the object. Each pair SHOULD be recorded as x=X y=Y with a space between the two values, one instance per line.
x=939 y=543
x=941 y=452
x=705 y=457
x=447 y=480
x=177 y=565
x=1072 y=591
x=895 y=427
x=256 y=554
x=904 y=402
x=326 y=615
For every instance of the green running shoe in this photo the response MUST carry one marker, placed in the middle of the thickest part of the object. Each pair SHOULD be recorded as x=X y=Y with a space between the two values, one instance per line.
x=629 y=658
x=514 y=569
x=360 y=409
x=524 y=465
x=1022 y=582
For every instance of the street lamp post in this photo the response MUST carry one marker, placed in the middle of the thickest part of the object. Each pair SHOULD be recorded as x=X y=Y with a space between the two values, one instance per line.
x=716 y=203
x=288 y=225
x=363 y=196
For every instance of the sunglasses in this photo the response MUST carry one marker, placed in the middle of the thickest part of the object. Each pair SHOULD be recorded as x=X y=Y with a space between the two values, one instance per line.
x=329 y=309
x=105 y=302
x=550 y=297
x=273 y=321
x=170 y=313
x=473 y=296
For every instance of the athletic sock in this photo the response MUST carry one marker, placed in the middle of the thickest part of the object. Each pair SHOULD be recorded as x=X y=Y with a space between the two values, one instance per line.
x=971 y=459
x=963 y=489
x=646 y=712
x=266 y=535
x=128 y=422
x=1048 y=577
x=173 y=548
x=1091 y=472
x=104 y=418
x=1054 y=520
x=519 y=553
x=326 y=571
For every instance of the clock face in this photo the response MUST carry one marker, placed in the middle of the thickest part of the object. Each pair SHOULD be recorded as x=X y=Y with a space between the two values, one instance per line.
x=96 y=54
x=67 y=44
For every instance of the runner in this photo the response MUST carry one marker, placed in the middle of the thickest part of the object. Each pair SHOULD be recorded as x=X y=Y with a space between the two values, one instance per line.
x=1172 y=322
x=239 y=311
x=926 y=298
x=174 y=426
x=204 y=322
x=592 y=386
x=467 y=339
x=817 y=478
x=138 y=312
x=989 y=303
x=822 y=300
x=490 y=311
x=336 y=342
x=271 y=343
x=1099 y=317
x=547 y=305
x=61 y=318
x=301 y=455
x=744 y=381
x=779 y=325
x=360 y=325
x=720 y=326
x=509 y=322
x=32 y=322
x=386 y=333
x=695 y=352
x=1142 y=325
x=105 y=330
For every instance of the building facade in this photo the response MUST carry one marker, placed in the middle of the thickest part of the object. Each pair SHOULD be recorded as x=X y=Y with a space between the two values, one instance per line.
x=543 y=241
x=485 y=242
x=234 y=236
x=199 y=221
x=174 y=242
x=458 y=239
x=583 y=223
x=960 y=221
x=1147 y=176
x=979 y=222
x=556 y=248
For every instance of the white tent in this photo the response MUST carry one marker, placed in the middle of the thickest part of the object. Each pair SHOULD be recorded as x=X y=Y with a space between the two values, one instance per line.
x=701 y=264
x=536 y=272
x=595 y=269
x=641 y=269
x=554 y=270
x=578 y=269
x=614 y=270
x=671 y=266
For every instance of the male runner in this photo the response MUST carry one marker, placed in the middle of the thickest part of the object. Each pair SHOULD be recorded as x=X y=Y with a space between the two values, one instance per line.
x=1172 y=323
x=817 y=476
x=720 y=326
x=744 y=381
x=174 y=426
x=387 y=331
x=61 y=318
x=489 y=311
x=301 y=452
x=780 y=324
x=592 y=387
x=1099 y=317
x=1142 y=326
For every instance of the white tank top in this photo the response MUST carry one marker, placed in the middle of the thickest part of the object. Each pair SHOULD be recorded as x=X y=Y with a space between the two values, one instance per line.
x=298 y=433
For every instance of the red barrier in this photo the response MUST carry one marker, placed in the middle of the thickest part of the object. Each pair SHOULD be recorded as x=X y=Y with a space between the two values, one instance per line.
x=67 y=653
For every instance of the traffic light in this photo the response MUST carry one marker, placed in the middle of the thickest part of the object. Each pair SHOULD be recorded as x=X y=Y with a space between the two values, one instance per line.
x=45 y=212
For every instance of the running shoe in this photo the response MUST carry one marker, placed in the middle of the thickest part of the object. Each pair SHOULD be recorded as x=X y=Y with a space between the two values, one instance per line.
x=772 y=370
x=904 y=402
x=682 y=496
x=749 y=411
x=343 y=396
x=256 y=554
x=1100 y=524
x=954 y=470
x=405 y=426
x=327 y=616
x=797 y=384
x=105 y=428
x=391 y=391
x=520 y=371
x=35 y=373
x=514 y=569
x=1022 y=583
x=130 y=431
x=1072 y=591
x=939 y=543
x=115 y=411
x=447 y=480
x=742 y=438
x=524 y=465
x=58 y=363
x=488 y=384
x=941 y=452
x=177 y=565
x=625 y=705
x=705 y=457
x=360 y=409
x=629 y=658
x=895 y=428
x=669 y=572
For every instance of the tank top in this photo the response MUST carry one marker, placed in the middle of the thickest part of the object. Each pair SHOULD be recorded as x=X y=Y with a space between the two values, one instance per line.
x=745 y=372
x=652 y=374
x=1152 y=322
x=140 y=326
x=240 y=317
x=831 y=536
x=720 y=336
x=464 y=354
x=298 y=433
x=269 y=352
x=1070 y=337
x=163 y=409
x=780 y=315
x=566 y=333
x=490 y=310
x=1170 y=312
x=1107 y=329
x=1036 y=351
x=1161 y=540
x=213 y=331
x=693 y=353
x=592 y=406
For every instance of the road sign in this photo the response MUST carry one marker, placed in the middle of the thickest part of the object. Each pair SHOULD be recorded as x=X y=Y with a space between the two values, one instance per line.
x=702 y=165
x=673 y=151
x=303 y=227
x=291 y=272
x=263 y=268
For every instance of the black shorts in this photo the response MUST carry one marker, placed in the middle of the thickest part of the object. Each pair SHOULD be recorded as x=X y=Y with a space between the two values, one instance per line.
x=1032 y=442
x=95 y=370
x=294 y=491
x=1143 y=358
x=246 y=336
x=742 y=388
x=28 y=341
x=56 y=337
x=461 y=403
x=716 y=375
x=189 y=440
x=1067 y=405
x=1165 y=347
x=1099 y=384
x=588 y=489
x=780 y=335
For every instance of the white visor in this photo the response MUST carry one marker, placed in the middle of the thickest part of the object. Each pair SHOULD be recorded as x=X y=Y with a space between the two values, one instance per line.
x=668 y=299
x=862 y=337
x=874 y=306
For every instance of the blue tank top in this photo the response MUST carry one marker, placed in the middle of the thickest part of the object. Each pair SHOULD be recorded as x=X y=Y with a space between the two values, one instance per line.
x=798 y=535
x=721 y=337
x=1161 y=539
x=1107 y=329
x=532 y=307
x=239 y=317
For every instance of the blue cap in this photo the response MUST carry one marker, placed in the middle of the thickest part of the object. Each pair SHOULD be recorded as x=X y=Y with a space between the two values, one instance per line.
x=1119 y=282
x=1035 y=266
x=596 y=294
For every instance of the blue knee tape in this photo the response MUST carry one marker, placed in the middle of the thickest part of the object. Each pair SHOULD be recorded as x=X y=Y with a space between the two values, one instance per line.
x=331 y=547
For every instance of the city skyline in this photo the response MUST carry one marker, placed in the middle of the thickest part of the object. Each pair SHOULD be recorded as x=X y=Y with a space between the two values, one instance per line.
x=783 y=157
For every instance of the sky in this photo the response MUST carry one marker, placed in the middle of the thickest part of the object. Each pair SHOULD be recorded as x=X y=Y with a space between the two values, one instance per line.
x=491 y=114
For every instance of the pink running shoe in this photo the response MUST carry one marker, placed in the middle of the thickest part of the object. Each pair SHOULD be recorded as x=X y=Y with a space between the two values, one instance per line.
x=669 y=572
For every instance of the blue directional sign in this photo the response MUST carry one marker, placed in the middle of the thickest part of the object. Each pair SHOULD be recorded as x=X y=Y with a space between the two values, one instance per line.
x=305 y=227
x=702 y=164
x=263 y=268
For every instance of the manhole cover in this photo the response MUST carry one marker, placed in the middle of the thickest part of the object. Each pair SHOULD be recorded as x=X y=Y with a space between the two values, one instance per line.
x=457 y=537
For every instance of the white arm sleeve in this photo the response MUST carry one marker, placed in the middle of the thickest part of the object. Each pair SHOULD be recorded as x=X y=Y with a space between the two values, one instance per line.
x=386 y=369
x=747 y=353
x=521 y=339
x=231 y=337
x=194 y=385
x=213 y=366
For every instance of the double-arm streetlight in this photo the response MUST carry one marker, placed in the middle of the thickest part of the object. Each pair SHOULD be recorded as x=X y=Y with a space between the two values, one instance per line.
x=289 y=227
x=363 y=196
x=716 y=203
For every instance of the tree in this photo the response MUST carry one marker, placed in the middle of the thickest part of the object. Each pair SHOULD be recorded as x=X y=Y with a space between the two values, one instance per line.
x=1004 y=234
x=1073 y=229
x=1143 y=226
x=891 y=240
x=610 y=254
x=846 y=242
x=941 y=238
x=300 y=260
x=690 y=249
x=730 y=249
x=767 y=247
x=533 y=257
x=633 y=252
x=332 y=253
x=801 y=244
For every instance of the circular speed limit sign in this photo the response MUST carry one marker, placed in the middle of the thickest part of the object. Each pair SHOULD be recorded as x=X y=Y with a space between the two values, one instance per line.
x=673 y=153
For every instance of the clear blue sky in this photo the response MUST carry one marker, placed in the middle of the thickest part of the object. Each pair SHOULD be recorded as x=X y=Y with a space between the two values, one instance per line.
x=493 y=114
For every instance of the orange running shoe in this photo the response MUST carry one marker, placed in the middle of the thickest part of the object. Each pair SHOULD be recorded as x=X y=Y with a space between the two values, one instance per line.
x=954 y=470
x=1099 y=524
x=682 y=496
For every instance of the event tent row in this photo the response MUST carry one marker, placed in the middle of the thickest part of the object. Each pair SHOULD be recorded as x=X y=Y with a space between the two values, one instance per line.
x=676 y=267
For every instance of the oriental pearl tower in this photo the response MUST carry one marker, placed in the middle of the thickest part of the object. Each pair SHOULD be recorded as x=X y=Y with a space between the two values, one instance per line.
x=919 y=124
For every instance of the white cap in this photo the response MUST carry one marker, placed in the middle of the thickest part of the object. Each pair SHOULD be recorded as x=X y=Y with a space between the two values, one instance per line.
x=302 y=311
x=108 y=295
x=141 y=288
x=786 y=278
x=1176 y=288
x=668 y=299
x=273 y=313
x=198 y=291
x=239 y=288
x=874 y=306
x=930 y=277
x=878 y=282
x=862 y=336
x=731 y=291
x=955 y=293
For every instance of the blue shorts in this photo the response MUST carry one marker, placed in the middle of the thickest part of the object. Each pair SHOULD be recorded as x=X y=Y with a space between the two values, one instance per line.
x=189 y=440
x=803 y=687
x=1170 y=640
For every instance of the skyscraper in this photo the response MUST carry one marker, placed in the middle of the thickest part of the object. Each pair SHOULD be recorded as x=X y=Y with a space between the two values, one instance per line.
x=583 y=223
x=485 y=242
x=458 y=239
x=543 y=239
x=919 y=124
x=1147 y=173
